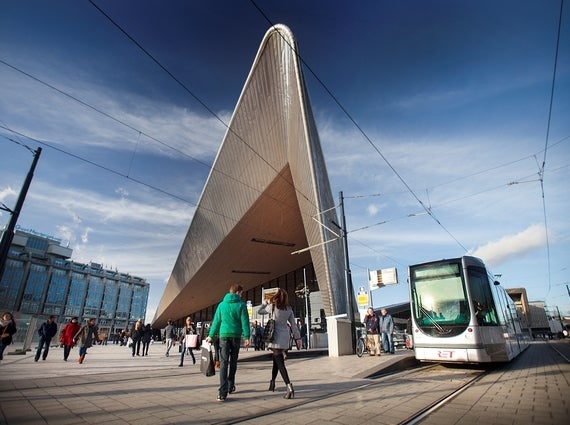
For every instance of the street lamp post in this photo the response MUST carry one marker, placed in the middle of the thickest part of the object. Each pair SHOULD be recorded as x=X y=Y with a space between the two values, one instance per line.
x=348 y=277
x=8 y=234
x=307 y=322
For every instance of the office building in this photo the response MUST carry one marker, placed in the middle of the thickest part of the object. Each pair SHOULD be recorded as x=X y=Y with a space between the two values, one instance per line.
x=40 y=280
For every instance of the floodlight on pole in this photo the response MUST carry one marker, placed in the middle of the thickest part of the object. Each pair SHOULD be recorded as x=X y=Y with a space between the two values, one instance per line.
x=8 y=234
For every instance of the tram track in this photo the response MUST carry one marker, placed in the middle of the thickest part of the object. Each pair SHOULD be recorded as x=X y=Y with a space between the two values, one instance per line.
x=420 y=415
x=428 y=374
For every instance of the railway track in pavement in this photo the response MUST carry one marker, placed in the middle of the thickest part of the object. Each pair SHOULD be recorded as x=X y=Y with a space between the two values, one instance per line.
x=402 y=398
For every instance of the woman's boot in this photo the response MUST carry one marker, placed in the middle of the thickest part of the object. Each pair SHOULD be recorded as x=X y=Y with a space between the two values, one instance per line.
x=271 y=385
x=290 y=392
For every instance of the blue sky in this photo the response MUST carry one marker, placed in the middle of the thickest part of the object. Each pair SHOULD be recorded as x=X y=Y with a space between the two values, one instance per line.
x=441 y=102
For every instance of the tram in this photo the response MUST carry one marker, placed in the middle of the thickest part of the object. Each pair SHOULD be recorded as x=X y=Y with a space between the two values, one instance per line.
x=460 y=314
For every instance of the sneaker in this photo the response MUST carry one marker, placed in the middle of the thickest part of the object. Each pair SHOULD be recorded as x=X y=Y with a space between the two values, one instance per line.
x=221 y=398
x=232 y=389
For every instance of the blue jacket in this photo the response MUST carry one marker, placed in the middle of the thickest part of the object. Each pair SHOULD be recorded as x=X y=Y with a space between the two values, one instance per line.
x=48 y=330
x=386 y=324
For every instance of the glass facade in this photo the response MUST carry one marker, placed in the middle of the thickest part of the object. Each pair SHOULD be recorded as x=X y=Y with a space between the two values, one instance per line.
x=292 y=282
x=37 y=283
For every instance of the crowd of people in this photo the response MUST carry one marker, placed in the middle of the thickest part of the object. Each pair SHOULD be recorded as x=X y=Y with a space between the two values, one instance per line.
x=229 y=328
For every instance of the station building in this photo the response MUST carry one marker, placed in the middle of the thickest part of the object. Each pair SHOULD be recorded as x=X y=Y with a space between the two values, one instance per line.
x=40 y=280
x=266 y=217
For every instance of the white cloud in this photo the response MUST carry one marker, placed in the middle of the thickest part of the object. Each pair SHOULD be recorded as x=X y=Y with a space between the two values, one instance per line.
x=122 y=192
x=500 y=251
x=5 y=193
x=65 y=122
x=372 y=209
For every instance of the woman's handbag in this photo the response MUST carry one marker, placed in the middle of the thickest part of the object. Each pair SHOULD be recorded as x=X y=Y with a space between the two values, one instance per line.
x=269 y=331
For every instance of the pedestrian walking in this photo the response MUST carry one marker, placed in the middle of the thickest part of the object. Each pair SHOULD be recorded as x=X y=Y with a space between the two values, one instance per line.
x=46 y=332
x=169 y=336
x=146 y=338
x=279 y=310
x=303 y=330
x=67 y=334
x=231 y=323
x=136 y=336
x=7 y=329
x=186 y=335
x=257 y=332
x=387 y=329
x=86 y=337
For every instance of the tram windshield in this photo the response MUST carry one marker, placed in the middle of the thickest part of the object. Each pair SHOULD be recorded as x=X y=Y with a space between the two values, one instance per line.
x=439 y=299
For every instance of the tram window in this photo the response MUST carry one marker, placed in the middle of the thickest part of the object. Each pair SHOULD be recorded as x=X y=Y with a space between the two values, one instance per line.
x=482 y=299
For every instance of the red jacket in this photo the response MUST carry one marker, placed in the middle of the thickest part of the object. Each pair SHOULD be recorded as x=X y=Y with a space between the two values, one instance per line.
x=68 y=333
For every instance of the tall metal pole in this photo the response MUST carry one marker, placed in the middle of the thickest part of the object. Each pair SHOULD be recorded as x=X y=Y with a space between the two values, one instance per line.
x=8 y=234
x=307 y=319
x=348 y=276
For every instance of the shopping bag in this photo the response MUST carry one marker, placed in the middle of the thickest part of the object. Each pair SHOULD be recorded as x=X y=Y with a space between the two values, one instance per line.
x=191 y=341
x=207 y=360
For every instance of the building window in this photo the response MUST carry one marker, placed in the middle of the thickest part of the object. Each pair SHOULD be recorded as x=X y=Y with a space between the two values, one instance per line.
x=34 y=290
x=37 y=244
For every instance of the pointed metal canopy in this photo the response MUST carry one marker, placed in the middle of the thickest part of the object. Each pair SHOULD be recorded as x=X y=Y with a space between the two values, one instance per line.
x=267 y=183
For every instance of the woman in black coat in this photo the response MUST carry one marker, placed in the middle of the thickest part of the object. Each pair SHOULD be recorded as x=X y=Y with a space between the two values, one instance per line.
x=146 y=337
x=7 y=329
x=136 y=336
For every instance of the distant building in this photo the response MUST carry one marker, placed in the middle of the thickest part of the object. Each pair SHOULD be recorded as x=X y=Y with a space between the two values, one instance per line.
x=40 y=279
x=534 y=313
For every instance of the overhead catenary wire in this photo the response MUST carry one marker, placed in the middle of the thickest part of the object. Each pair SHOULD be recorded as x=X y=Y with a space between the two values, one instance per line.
x=428 y=208
x=365 y=135
x=542 y=168
x=197 y=98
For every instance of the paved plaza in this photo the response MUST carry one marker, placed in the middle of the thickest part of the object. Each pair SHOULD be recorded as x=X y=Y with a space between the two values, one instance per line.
x=112 y=387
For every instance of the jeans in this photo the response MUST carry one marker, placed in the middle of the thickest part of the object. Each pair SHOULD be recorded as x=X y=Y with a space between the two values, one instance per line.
x=43 y=341
x=387 y=342
x=189 y=352
x=229 y=350
x=2 y=348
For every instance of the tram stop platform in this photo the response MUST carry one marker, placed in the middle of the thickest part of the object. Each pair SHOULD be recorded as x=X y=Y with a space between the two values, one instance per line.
x=112 y=387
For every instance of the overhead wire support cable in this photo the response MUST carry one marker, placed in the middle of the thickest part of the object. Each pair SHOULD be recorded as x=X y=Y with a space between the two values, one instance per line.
x=363 y=133
x=542 y=167
x=103 y=167
x=200 y=101
x=138 y=131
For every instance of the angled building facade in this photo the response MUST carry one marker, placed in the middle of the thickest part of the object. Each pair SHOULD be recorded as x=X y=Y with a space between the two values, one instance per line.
x=267 y=196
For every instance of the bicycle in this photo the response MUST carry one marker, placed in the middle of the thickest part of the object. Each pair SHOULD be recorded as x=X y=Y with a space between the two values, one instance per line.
x=361 y=344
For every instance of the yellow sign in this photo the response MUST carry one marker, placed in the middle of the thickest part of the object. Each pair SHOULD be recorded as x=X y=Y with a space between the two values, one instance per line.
x=362 y=300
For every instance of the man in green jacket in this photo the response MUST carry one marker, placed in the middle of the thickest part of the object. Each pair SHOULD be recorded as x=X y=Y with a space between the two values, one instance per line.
x=231 y=323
